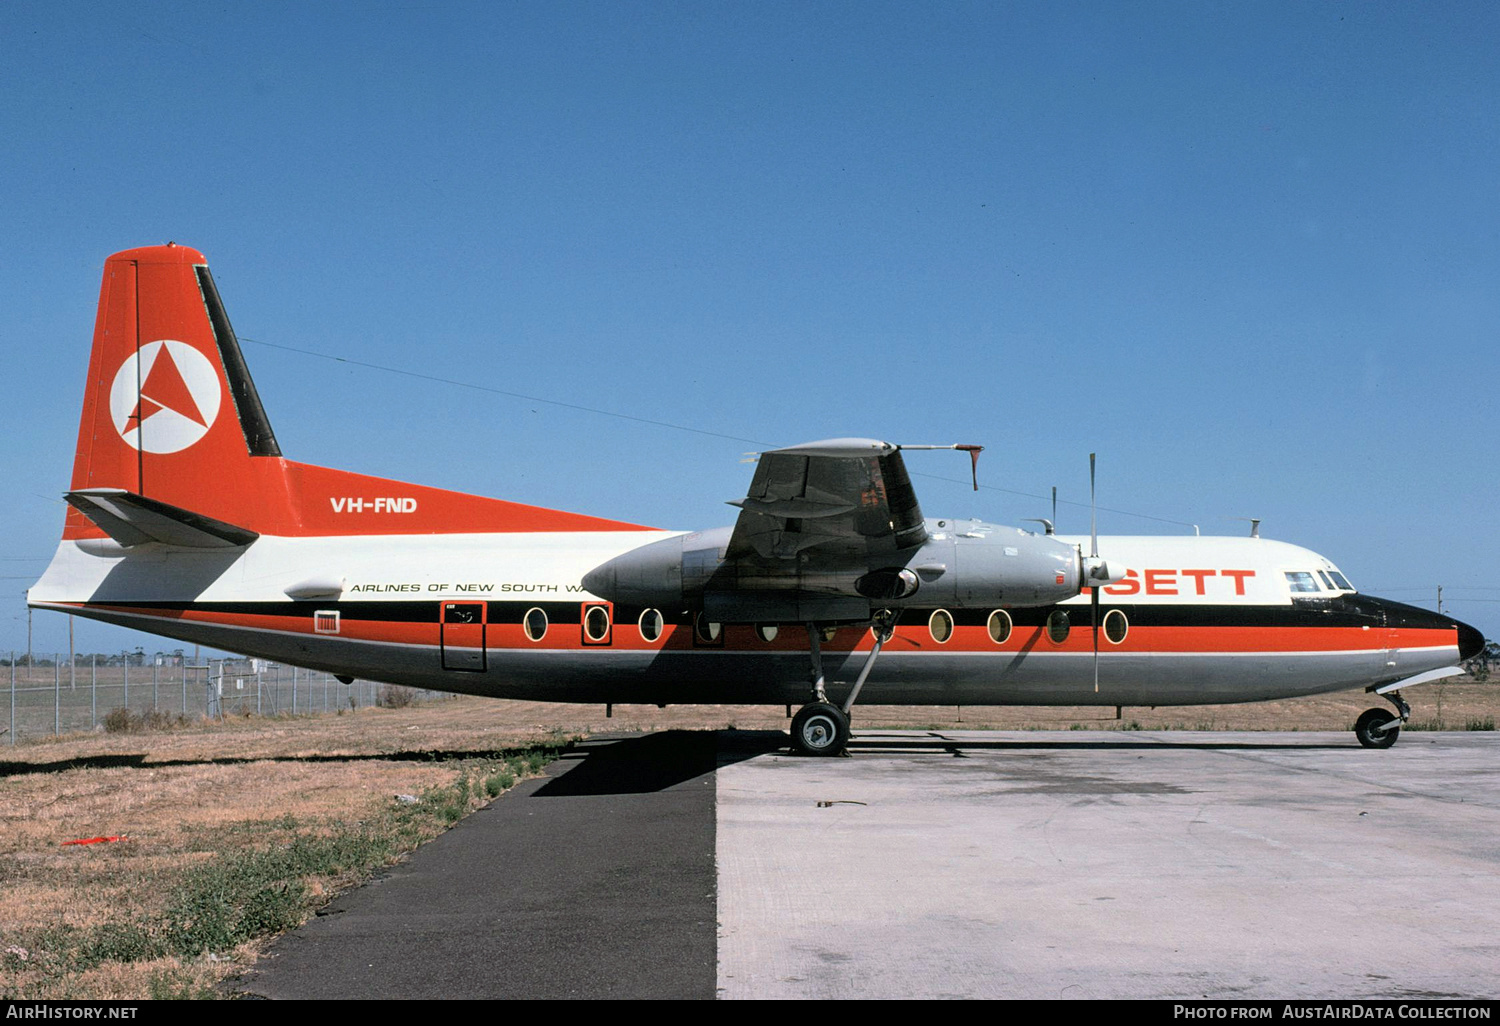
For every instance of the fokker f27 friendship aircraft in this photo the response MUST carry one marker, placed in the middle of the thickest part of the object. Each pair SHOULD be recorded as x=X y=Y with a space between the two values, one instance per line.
x=831 y=585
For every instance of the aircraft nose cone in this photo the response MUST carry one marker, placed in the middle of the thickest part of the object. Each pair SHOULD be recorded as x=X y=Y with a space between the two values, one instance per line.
x=1470 y=641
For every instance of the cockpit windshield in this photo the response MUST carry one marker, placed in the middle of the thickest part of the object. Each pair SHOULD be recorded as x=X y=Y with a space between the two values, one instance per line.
x=1303 y=582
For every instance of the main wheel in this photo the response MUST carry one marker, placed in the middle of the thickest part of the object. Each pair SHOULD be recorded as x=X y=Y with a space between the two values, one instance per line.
x=1368 y=728
x=820 y=729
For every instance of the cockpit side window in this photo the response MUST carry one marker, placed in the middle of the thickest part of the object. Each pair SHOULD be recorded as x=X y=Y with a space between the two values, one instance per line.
x=1327 y=581
x=1301 y=581
x=1341 y=581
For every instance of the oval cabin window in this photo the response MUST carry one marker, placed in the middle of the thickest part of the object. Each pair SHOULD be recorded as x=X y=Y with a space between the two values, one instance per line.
x=706 y=629
x=535 y=624
x=940 y=626
x=596 y=624
x=650 y=624
x=1116 y=626
x=999 y=626
x=1058 y=626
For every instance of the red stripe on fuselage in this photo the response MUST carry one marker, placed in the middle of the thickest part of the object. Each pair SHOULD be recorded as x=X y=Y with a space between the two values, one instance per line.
x=737 y=638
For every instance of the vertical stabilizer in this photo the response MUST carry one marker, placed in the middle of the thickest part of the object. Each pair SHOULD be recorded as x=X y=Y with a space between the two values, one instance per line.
x=169 y=410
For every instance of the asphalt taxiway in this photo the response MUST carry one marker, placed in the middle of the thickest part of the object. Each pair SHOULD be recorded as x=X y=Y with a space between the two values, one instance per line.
x=956 y=864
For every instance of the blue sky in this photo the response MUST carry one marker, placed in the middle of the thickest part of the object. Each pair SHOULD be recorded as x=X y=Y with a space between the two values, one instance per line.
x=1248 y=253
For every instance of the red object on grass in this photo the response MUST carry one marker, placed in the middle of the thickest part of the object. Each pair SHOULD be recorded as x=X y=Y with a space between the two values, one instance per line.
x=95 y=840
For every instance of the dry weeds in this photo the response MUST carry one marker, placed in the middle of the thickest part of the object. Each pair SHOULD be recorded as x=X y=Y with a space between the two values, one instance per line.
x=91 y=921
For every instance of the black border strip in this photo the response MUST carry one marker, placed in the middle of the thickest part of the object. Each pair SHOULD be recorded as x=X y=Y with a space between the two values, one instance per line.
x=259 y=438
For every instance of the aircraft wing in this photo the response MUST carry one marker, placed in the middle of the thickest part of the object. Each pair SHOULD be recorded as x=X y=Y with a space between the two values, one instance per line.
x=845 y=497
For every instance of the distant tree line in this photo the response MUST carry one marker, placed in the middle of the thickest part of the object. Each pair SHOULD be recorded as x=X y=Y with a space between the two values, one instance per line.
x=1485 y=663
x=137 y=658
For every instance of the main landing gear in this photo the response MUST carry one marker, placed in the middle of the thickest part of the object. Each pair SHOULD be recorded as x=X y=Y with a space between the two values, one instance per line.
x=1377 y=728
x=820 y=727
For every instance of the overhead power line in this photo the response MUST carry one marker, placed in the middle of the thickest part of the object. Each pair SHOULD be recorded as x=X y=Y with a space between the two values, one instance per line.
x=438 y=379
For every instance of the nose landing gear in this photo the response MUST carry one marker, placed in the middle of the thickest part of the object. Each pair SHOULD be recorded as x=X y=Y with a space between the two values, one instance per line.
x=1377 y=728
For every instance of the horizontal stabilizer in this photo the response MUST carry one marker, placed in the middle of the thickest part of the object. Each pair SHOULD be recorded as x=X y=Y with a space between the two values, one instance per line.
x=132 y=519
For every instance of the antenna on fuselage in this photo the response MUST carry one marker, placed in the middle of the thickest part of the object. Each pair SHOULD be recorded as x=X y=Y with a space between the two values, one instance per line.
x=1254 y=525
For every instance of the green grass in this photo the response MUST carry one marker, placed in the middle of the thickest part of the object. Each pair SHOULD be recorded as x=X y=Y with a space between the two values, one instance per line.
x=1437 y=723
x=241 y=894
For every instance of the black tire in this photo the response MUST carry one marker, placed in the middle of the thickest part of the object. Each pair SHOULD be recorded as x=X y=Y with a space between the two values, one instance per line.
x=1367 y=728
x=820 y=729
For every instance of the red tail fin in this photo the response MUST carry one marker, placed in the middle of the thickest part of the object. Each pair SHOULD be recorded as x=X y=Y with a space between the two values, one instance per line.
x=170 y=414
x=169 y=411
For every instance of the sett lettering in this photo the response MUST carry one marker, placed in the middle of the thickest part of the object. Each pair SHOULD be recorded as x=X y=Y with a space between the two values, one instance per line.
x=1176 y=582
x=1161 y=582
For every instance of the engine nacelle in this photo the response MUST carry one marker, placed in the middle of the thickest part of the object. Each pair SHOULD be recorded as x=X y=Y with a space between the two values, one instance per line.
x=961 y=565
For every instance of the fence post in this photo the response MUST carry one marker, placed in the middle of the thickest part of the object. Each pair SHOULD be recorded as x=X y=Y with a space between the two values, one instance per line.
x=155 y=674
x=12 y=696
x=127 y=683
x=94 y=690
x=294 y=691
x=56 y=694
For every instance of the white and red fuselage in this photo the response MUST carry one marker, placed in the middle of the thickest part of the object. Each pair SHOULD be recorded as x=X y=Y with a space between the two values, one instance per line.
x=187 y=522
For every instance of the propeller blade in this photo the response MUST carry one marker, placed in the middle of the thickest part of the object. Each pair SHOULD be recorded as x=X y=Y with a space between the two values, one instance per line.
x=1094 y=603
x=1094 y=554
x=1093 y=517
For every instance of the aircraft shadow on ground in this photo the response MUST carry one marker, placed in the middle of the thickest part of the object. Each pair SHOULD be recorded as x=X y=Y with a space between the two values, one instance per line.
x=939 y=742
x=656 y=762
x=653 y=762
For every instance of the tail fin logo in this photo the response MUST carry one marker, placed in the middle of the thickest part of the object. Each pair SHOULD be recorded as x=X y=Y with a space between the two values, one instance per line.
x=165 y=397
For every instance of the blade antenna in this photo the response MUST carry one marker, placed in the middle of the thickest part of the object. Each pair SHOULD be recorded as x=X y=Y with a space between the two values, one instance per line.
x=1054 y=504
x=973 y=451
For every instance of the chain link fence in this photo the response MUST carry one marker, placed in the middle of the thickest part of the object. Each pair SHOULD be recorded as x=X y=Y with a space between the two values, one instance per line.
x=55 y=695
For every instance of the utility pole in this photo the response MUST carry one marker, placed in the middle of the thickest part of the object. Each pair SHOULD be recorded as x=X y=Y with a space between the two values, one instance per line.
x=1440 y=598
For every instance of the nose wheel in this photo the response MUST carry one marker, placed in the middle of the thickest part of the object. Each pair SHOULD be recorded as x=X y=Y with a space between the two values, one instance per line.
x=1377 y=728
x=820 y=728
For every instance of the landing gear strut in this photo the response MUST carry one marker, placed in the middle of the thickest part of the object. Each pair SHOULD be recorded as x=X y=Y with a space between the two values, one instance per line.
x=1377 y=728
x=820 y=727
